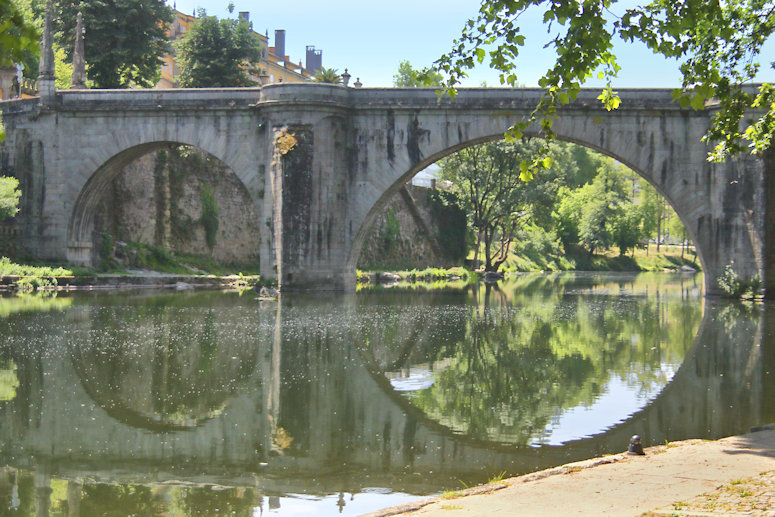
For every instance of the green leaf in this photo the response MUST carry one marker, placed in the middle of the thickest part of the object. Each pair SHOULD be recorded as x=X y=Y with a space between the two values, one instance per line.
x=698 y=102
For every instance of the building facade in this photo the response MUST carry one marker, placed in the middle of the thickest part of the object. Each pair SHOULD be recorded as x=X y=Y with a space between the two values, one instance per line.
x=275 y=65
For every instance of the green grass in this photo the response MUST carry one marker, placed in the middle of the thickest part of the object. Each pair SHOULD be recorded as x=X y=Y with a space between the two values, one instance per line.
x=668 y=258
x=29 y=277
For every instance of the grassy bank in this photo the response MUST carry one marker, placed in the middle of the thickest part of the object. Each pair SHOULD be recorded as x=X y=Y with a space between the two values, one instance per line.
x=668 y=258
x=26 y=277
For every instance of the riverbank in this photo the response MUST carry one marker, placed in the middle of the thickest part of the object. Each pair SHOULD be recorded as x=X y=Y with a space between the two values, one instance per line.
x=731 y=476
x=138 y=280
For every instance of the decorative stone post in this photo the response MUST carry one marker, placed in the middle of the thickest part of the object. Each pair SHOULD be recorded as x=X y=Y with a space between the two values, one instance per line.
x=78 y=81
x=46 y=77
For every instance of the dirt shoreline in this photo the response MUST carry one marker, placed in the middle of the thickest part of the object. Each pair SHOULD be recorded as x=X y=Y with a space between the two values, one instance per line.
x=730 y=476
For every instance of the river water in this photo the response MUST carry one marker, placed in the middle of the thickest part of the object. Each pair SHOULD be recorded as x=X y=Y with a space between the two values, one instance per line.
x=203 y=403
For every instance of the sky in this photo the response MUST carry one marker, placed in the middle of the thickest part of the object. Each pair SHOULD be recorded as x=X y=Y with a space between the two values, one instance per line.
x=370 y=39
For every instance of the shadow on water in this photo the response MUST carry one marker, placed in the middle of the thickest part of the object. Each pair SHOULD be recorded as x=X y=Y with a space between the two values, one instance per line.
x=201 y=403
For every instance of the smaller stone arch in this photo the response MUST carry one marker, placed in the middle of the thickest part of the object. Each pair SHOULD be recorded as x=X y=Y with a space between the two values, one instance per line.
x=90 y=200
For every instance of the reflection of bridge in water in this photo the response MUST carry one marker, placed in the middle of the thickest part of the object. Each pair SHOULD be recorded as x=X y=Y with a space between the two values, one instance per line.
x=337 y=409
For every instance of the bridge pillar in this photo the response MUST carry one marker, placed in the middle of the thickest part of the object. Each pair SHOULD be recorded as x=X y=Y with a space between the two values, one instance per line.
x=768 y=269
x=309 y=173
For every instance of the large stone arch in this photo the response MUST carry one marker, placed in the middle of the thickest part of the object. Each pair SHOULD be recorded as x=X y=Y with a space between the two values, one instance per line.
x=660 y=141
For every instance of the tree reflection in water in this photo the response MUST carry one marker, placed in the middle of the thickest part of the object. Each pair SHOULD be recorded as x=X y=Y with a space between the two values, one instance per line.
x=531 y=352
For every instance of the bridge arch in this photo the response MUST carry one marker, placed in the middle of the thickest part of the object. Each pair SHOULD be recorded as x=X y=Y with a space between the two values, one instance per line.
x=678 y=205
x=82 y=223
x=649 y=134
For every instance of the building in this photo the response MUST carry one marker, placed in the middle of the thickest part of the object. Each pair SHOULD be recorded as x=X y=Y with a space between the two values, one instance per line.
x=275 y=66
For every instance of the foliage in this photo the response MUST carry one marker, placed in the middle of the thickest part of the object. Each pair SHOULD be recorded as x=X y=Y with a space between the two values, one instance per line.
x=31 y=277
x=124 y=39
x=9 y=197
x=568 y=214
x=719 y=44
x=157 y=258
x=487 y=181
x=218 y=53
x=627 y=228
x=734 y=286
x=327 y=75
x=106 y=249
x=210 y=214
x=408 y=77
x=391 y=231
x=607 y=194
x=19 y=38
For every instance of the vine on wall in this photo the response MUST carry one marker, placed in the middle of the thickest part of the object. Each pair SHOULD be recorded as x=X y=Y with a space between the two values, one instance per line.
x=210 y=213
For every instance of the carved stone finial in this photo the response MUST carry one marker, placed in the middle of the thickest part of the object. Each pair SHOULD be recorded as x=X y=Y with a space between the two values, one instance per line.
x=46 y=76
x=79 y=63
x=46 y=68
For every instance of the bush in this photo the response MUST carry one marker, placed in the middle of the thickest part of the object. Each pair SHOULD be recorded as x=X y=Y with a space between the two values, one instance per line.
x=734 y=286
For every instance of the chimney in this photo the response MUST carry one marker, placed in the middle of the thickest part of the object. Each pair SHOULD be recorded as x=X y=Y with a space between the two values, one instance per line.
x=244 y=15
x=279 y=43
x=314 y=59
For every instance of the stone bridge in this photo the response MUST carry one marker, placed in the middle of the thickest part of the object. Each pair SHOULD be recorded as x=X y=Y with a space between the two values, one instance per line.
x=321 y=161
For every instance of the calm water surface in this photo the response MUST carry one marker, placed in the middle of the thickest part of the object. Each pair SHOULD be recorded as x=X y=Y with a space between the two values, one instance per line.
x=196 y=404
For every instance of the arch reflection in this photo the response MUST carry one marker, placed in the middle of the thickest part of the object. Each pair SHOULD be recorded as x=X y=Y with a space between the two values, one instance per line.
x=549 y=359
x=163 y=367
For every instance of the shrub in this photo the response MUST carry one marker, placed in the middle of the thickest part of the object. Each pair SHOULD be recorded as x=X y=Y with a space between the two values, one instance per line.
x=734 y=286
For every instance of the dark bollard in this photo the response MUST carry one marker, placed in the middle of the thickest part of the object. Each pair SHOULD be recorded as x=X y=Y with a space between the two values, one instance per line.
x=635 y=446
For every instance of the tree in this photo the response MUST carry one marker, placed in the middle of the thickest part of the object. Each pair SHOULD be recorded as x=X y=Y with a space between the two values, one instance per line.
x=719 y=44
x=567 y=214
x=408 y=77
x=33 y=16
x=327 y=75
x=218 y=53
x=608 y=192
x=486 y=178
x=654 y=210
x=124 y=39
x=9 y=197
x=679 y=232
x=19 y=38
x=627 y=228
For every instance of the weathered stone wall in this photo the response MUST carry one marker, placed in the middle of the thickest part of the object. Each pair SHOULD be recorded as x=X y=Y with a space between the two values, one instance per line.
x=157 y=199
x=8 y=242
x=406 y=235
